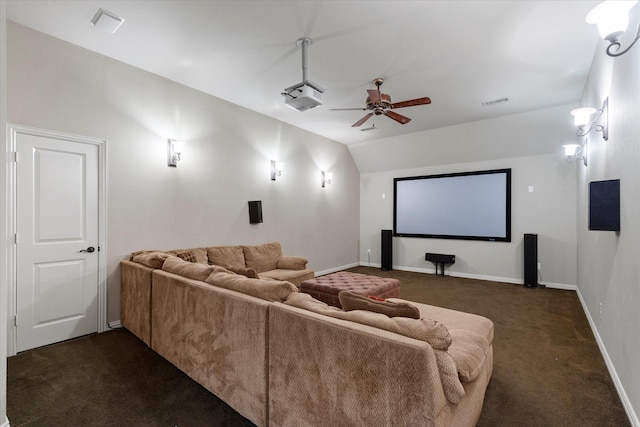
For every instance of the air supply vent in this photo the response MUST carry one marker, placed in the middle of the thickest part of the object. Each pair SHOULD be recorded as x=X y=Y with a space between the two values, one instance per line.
x=495 y=102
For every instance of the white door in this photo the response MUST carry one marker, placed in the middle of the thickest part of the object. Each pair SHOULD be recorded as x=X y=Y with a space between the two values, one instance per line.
x=57 y=239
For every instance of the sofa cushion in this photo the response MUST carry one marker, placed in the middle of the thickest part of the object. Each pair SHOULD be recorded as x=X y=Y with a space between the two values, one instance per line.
x=262 y=258
x=428 y=330
x=294 y=276
x=153 y=259
x=292 y=262
x=469 y=351
x=192 y=270
x=247 y=272
x=226 y=255
x=270 y=290
x=351 y=301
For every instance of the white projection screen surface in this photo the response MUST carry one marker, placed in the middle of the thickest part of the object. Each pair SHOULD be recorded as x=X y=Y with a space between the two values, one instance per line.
x=469 y=205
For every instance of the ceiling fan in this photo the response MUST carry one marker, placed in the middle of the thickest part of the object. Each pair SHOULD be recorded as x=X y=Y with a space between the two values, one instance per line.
x=380 y=104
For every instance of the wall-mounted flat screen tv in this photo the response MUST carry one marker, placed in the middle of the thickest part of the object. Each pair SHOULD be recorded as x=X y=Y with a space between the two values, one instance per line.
x=469 y=205
x=604 y=205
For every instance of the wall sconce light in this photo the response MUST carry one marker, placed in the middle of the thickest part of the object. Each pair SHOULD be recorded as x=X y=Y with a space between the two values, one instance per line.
x=276 y=169
x=612 y=18
x=174 y=150
x=576 y=152
x=325 y=178
x=582 y=120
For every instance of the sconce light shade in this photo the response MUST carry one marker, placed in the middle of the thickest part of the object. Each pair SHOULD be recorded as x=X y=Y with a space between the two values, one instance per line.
x=582 y=119
x=576 y=152
x=570 y=149
x=612 y=19
x=325 y=178
x=582 y=116
x=276 y=169
x=174 y=151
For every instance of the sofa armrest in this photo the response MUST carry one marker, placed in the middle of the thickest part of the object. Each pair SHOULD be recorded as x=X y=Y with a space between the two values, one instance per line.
x=135 y=299
x=292 y=262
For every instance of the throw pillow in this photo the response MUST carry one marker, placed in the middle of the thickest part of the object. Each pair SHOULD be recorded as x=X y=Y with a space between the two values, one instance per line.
x=249 y=272
x=186 y=255
x=200 y=254
x=152 y=259
x=352 y=301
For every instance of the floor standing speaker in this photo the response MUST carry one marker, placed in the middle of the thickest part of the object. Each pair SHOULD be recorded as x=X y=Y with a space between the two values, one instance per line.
x=531 y=260
x=386 y=251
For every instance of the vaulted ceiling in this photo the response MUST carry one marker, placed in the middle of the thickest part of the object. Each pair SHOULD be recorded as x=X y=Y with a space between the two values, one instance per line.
x=459 y=53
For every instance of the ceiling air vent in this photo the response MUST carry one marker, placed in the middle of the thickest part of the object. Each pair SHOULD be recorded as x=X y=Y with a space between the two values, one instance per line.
x=495 y=102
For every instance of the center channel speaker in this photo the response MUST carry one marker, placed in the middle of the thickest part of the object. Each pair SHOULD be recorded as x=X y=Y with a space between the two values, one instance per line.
x=386 y=251
x=530 y=260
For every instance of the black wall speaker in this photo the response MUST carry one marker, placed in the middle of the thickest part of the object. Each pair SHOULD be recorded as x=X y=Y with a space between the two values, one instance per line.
x=531 y=260
x=255 y=212
x=386 y=251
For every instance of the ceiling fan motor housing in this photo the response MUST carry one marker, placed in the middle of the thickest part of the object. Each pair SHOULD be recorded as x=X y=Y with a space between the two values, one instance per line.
x=379 y=107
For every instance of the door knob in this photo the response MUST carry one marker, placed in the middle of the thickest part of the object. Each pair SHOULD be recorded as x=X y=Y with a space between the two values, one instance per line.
x=89 y=249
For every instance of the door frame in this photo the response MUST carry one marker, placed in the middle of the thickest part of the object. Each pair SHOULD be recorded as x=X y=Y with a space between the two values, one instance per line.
x=13 y=131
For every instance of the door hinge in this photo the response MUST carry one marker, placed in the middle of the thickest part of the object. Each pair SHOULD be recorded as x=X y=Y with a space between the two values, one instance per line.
x=15 y=239
x=15 y=320
x=14 y=157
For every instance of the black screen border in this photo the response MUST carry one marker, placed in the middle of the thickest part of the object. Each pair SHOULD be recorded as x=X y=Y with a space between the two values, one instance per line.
x=506 y=238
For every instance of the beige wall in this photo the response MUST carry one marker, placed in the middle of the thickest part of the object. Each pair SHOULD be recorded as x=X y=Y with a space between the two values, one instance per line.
x=549 y=211
x=608 y=267
x=58 y=86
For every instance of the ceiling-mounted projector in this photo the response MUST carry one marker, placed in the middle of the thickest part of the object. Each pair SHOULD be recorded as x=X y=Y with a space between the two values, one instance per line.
x=306 y=95
x=303 y=96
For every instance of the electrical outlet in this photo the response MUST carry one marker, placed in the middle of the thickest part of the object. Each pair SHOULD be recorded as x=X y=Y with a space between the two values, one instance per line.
x=539 y=266
x=601 y=310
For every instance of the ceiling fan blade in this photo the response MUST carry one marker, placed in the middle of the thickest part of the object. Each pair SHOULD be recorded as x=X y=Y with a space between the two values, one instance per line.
x=374 y=95
x=411 y=102
x=346 y=109
x=362 y=120
x=397 y=117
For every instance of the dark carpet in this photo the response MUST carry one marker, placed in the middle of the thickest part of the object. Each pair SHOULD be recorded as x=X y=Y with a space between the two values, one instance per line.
x=548 y=370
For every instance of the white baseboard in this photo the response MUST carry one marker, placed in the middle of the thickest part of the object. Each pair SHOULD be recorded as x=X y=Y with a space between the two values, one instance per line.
x=633 y=417
x=474 y=276
x=333 y=270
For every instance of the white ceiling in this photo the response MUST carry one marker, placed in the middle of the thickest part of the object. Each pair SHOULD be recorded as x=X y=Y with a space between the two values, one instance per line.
x=458 y=53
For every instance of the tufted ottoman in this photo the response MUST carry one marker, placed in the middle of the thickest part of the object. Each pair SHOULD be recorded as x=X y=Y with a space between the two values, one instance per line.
x=326 y=288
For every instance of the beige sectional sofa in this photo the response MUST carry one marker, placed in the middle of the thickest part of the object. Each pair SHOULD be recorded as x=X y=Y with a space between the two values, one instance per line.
x=265 y=261
x=281 y=358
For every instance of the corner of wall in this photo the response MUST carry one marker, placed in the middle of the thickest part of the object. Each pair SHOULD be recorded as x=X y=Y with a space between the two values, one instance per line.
x=3 y=193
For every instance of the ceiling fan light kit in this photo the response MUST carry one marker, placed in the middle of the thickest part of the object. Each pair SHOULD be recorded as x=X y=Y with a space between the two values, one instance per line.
x=305 y=95
x=380 y=105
